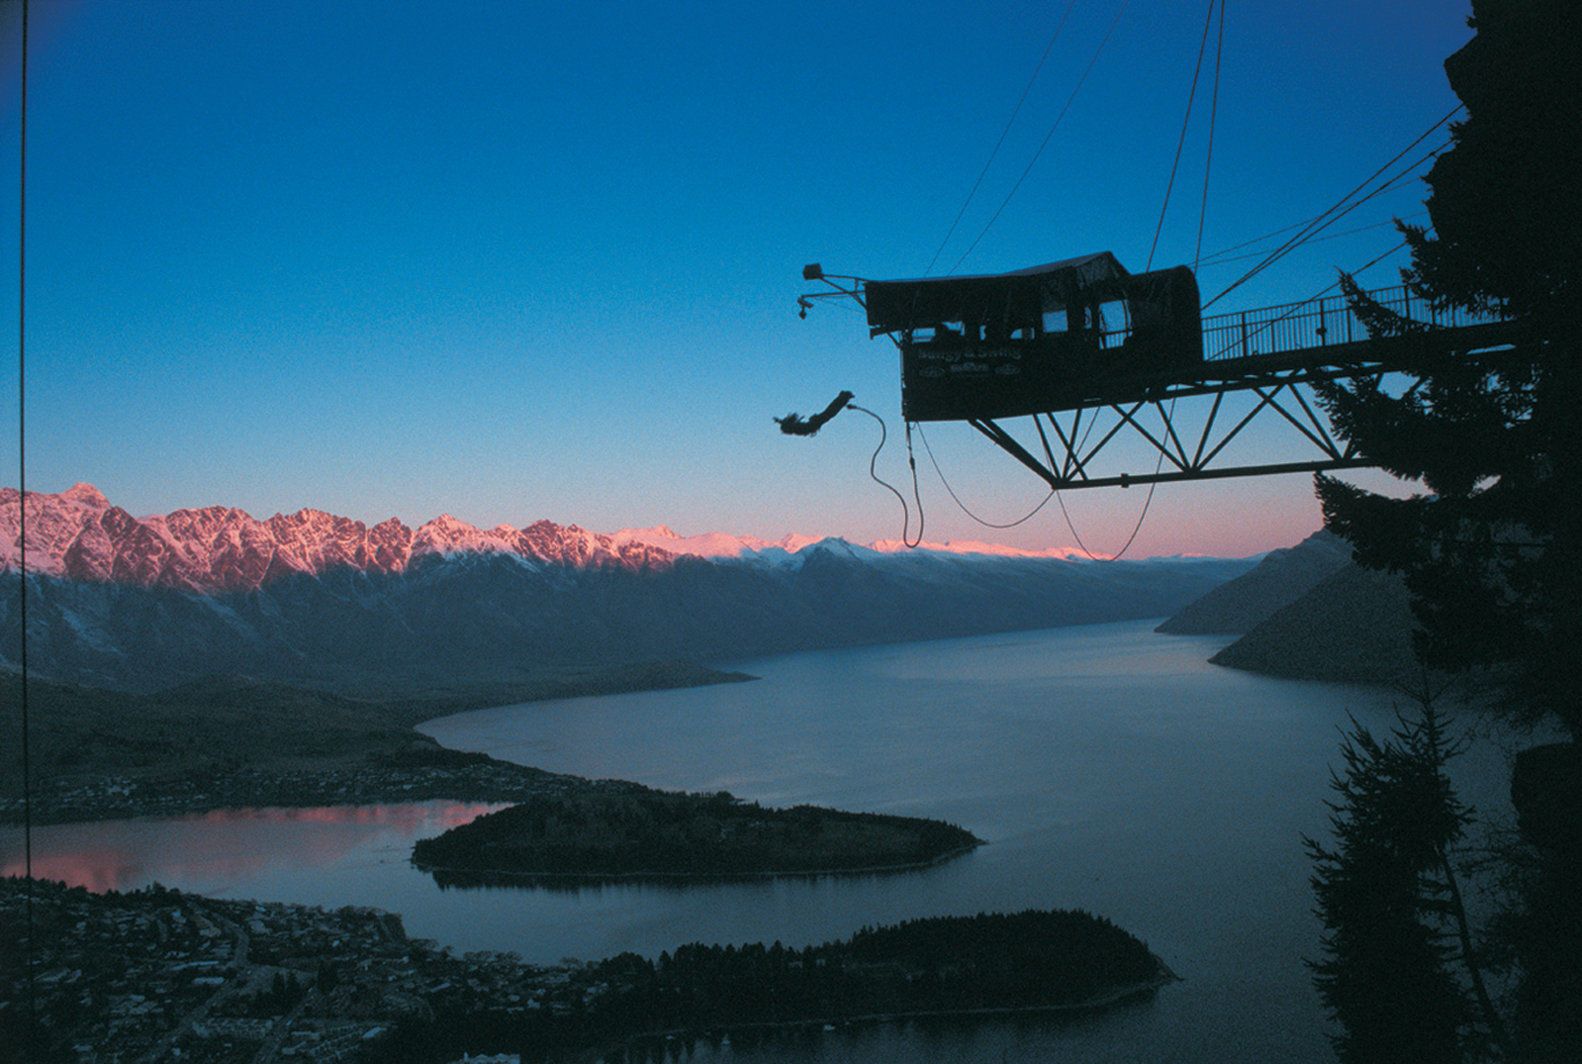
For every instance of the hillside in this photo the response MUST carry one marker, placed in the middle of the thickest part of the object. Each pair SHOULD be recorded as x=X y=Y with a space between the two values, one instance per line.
x=1308 y=613
x=1355 y=626
x=1279 y=579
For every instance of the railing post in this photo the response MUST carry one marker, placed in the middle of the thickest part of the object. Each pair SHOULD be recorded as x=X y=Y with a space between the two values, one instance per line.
x=1244 y=351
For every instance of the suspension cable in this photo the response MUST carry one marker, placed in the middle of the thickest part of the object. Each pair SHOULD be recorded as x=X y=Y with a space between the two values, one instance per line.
x=1208 y=157
x=1294 y=307
x=999 y=143
x=1170 y=185
x=1222 y=258
x=1219 y=48
x=1045 y=143
x=1186 y=121
x=964 y=507
x=1214 y=257
x=22 y=538
x=1208 y=160
x=1075 y=534
x=1318 y=224
x=1338 y=205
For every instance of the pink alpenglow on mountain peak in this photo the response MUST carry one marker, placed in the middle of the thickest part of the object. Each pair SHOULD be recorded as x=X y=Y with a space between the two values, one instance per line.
x=710 y=544
x=974 y=546
x=78 y=534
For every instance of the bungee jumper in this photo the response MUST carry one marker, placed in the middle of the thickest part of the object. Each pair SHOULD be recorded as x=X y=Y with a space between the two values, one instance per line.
x=794 y=424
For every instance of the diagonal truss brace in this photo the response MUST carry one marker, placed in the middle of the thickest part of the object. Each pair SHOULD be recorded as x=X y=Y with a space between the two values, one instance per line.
x=1069 y=460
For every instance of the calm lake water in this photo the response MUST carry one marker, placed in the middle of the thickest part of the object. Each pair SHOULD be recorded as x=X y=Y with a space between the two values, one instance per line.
x=1107 y=767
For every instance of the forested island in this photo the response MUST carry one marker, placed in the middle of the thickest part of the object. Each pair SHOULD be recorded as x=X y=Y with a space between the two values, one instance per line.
x=640 y=833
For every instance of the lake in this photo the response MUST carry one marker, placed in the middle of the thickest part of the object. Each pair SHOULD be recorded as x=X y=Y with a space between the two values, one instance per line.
x=1107 y=767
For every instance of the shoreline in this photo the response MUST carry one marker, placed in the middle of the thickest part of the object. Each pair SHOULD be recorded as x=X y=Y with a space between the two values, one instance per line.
x=117 y=798
x=230 y=742
x=1099 y=1003
x=528 y=879
x=310 y=749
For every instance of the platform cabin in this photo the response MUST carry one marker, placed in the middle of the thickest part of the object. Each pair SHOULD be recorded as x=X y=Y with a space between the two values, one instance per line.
x=1042 y=339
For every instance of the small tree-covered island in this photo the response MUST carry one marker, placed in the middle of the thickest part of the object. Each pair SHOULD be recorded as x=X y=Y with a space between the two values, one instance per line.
x=989 y=964
x=640 y=833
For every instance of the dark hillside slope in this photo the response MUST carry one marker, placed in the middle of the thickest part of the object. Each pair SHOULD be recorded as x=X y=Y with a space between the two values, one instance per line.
x=1282 y=577
x=1353 y=627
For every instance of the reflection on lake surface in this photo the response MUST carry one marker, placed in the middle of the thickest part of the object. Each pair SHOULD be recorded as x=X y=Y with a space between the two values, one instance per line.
x=1108 y=768
x=226 y=846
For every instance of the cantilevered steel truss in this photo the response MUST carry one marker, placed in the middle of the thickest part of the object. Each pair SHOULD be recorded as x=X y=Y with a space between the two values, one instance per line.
x=1272 y=355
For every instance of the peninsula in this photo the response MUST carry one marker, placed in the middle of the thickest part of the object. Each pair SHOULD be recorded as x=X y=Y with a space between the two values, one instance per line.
x=238 y=742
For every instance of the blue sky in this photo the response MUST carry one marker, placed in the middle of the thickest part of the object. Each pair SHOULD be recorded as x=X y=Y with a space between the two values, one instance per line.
x=526 y=260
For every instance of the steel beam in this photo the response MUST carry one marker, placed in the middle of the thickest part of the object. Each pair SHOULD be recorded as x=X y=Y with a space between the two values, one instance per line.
x=1280 y=380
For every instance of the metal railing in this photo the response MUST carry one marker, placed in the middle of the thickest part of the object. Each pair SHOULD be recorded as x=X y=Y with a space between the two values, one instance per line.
x=1318 y=323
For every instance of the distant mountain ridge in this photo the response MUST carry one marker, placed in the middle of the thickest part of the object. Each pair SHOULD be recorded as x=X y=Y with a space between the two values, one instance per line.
x=311 y=597
x=724 y=545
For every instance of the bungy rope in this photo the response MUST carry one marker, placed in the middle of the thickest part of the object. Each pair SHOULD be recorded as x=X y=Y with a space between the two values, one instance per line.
x=794 y=424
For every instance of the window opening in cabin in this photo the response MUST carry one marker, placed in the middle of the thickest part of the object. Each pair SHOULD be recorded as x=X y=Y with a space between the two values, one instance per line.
x=1114 y=322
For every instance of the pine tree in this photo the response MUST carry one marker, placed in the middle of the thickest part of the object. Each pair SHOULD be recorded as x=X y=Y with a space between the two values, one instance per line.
x=1398 y=974
x=1492 y=551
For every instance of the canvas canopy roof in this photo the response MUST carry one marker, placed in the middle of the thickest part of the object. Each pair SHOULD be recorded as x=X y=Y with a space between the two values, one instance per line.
x=1021 y=294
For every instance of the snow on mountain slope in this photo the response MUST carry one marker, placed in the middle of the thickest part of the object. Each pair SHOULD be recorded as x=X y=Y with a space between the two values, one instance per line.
x=78 y=534
x=711 y=544
x=143 y=603
x=724 y=545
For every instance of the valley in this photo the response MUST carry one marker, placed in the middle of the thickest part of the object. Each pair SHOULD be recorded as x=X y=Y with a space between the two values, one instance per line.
x=1107 y=768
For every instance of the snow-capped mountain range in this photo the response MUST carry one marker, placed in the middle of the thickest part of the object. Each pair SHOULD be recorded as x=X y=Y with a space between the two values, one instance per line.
x=78 y=534
x=118 y=600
